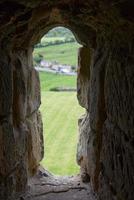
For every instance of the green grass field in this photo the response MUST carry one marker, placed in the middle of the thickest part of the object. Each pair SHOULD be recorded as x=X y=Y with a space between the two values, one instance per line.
x=50 y=80
x=60 y=112
x=62 y=53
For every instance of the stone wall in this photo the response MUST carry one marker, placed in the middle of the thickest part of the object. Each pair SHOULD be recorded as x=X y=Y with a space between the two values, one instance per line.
x=83 y=91
x=105 y=148
x=117 y=155
x=28 y=130
x=8 y=163
x=105 y=90
x=21 y=125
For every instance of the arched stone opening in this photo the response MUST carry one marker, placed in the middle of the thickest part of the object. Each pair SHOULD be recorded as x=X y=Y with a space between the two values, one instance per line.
x=26 y=102
x=108 y=29
x=53 y=161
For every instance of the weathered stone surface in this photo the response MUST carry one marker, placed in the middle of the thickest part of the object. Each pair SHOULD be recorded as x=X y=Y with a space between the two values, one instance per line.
x=117 y=157
x=83 y=77
x=47 y=186
x=83 y=85
x=20 y=79
x=7 y=163
x=97 y=110
x=35 y=142
x=20 y=121
x=105 y=150
x=26 y=117
x=83 y=147
x=33 y=97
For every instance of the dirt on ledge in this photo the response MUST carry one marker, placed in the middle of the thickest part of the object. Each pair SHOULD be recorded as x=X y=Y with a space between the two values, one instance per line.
x=45 y=186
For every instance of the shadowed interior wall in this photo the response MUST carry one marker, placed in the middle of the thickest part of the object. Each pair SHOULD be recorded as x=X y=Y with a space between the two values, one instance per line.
x=105 y=88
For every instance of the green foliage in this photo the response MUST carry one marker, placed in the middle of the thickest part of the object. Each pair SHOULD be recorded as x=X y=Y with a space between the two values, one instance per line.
x=73 y=68
x=49 y=41
x=39 y=45
x=37 y=58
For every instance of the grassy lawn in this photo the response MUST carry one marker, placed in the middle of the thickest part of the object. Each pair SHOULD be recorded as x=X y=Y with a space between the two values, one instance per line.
x=62 y=53
x=50 y=80
x=60 y=111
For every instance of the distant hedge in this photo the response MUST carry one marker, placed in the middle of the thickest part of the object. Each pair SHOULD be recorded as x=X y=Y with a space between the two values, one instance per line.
x=63 y=89
x=56 y=42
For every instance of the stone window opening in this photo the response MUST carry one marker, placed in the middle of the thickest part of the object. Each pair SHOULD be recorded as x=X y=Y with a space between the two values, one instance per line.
x=42 y=60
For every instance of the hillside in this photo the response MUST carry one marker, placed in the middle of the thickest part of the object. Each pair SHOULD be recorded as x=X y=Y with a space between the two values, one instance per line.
x=58 y=45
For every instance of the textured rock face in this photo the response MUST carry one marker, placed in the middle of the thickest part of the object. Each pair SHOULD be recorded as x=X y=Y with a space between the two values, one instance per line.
x=26 y=117
x=83 y=91
x=105 y=90
x=83 y=77
x=21 y=126
x=117 y=156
